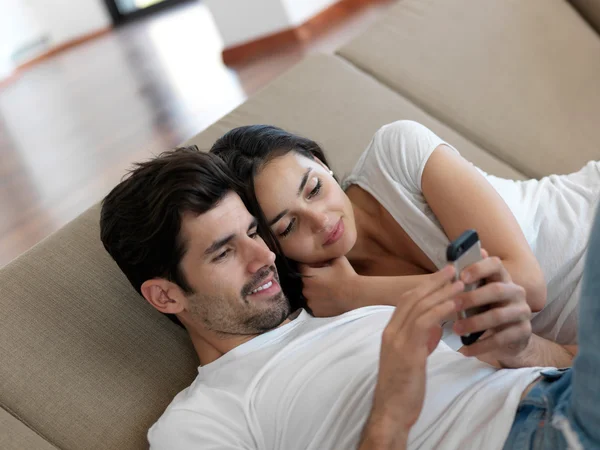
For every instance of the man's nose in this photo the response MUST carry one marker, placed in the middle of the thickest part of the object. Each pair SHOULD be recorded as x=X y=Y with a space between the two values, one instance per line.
x=259 y=256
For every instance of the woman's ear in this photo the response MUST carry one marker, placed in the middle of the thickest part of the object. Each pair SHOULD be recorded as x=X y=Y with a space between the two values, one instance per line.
x=163 y=295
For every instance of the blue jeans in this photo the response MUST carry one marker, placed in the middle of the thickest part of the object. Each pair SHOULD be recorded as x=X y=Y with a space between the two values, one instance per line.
x=562 y=411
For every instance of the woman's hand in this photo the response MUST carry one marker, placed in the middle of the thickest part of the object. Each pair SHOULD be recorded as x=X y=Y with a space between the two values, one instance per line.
x=328 y=289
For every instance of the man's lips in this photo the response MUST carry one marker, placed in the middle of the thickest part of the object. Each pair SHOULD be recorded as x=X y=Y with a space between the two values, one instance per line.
x=335 y=234
x=270 y=290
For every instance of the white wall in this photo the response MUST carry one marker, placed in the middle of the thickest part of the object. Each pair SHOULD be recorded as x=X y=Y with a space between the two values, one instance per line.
x=299 y=11
x=66 y=20
x=240 y=21
x=23 y=22
x=18 y=28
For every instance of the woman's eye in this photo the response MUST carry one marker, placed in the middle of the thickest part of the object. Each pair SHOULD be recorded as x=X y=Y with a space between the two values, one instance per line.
x=288 y=229
x=316 y=190
x=253 y=234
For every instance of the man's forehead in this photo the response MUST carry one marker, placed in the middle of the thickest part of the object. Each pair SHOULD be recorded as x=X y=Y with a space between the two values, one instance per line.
x=228 y=216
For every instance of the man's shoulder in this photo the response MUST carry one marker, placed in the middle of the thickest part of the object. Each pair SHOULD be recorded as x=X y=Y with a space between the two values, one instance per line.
x=196 y=412
x=199 y=398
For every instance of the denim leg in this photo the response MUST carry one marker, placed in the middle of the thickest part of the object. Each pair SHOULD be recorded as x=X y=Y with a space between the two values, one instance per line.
x=585 y=401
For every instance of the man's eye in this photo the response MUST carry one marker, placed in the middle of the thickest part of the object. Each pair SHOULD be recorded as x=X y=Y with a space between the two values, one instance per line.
x=221 y=255
x=316 y=190
x=288 y=229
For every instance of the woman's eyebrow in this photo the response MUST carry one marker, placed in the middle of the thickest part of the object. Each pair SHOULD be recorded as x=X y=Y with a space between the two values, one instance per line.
x=278 y=217
x=303 y=182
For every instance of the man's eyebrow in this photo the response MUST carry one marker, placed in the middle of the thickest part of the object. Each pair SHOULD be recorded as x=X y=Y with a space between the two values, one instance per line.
x=300 y=189
x=218 y=244
x=253 y=224
x=226 y=240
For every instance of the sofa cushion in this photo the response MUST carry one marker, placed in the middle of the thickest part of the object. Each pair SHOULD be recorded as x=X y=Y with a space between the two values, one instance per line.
x=15 y=435
x=330 y=101
x=85 y=360
x=590 y=10
x=518 y=78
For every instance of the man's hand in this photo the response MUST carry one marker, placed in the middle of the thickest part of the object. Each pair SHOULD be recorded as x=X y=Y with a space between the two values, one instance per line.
x=328 y=288
x=413 y=332
x=508 y=321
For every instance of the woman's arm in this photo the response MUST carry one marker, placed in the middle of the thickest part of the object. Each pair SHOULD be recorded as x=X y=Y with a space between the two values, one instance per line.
x=461 y=198
x=336 y=288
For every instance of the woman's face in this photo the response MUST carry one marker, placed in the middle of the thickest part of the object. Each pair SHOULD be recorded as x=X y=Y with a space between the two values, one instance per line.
x=306 y=208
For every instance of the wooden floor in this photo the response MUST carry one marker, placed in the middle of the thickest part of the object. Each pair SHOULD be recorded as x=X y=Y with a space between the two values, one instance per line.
x=72 y=124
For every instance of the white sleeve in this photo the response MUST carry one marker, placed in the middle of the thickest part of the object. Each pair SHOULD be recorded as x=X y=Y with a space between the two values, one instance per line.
x=191 y=430
x=401 y=150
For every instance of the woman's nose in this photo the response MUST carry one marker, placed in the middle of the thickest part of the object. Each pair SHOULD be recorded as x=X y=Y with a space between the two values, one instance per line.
x=319 y=221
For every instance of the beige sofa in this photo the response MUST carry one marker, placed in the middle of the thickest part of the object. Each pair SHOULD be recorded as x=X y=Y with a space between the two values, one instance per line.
x=85 y=363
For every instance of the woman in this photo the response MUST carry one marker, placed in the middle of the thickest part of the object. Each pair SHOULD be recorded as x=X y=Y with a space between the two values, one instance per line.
x=410 y=194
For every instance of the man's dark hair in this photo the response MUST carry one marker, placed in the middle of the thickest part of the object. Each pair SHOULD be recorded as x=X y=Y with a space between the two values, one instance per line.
x=246 y=150
x=141 y=217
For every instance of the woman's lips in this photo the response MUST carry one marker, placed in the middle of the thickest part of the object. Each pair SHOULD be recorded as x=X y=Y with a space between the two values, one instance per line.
x=335 y=234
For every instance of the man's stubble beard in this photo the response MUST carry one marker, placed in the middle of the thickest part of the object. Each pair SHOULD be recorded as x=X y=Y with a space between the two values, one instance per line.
x=239 y=316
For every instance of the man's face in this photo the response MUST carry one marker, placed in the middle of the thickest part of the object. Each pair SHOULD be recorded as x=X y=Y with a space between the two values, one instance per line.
x=231 y=271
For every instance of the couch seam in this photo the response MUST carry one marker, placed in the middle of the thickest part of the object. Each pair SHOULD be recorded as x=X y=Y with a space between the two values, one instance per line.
x=27 y=424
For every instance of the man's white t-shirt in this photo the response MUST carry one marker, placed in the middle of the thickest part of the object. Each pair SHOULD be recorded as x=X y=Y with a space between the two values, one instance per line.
x=309 y=384
x=555 y=214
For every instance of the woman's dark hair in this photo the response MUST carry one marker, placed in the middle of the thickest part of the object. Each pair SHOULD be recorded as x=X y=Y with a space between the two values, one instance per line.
x=140 y=220
x=246 y=150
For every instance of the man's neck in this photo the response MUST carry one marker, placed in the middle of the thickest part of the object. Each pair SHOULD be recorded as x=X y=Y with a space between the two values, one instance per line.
x=210 y=346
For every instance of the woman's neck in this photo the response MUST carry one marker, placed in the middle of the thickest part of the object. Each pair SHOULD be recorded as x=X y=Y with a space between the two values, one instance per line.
x=382 y=247
x=367 y=220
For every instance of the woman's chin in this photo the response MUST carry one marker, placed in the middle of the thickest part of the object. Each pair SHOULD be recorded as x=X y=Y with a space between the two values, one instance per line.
x=341 y=248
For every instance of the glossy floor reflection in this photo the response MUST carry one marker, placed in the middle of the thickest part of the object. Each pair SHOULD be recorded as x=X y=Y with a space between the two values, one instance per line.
x=71 y=125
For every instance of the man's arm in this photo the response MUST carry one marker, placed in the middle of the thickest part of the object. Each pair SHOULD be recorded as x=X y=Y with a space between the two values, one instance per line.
x=412 y=333
x=379 y=435
x=541 y=352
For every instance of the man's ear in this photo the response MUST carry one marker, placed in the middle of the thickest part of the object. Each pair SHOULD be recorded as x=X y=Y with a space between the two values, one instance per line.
x=163 y=295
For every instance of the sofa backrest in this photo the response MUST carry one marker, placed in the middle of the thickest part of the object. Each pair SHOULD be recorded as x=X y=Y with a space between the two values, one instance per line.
x=518 y=78
x=86 y=362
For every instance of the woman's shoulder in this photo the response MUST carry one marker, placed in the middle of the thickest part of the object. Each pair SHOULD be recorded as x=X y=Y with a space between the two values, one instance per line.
x=398 y=150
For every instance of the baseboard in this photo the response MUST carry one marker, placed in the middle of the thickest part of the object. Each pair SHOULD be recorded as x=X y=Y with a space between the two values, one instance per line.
x=54 y=51
x=296 y=35
x=65 y=46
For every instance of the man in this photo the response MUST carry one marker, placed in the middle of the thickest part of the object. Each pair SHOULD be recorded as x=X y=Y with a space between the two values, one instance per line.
x=274 y=378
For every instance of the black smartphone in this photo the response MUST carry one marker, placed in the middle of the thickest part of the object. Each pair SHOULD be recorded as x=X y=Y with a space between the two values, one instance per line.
x=462 y=252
